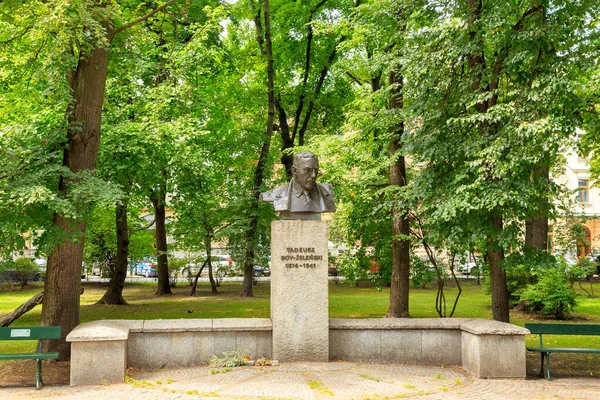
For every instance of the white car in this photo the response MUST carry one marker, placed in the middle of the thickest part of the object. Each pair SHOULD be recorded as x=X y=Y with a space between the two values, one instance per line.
x=466 y=268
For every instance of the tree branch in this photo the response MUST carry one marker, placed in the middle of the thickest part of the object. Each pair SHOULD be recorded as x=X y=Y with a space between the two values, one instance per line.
x=354 y=78
x=145 y=17
x=142 y=228
x=8 y=319
x=20 y=35
x=258 y=27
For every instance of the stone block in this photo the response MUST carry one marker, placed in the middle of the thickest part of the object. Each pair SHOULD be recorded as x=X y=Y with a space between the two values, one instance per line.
x=224 y=341
x=148 y=350
x=178 y=325
x=241 y=324
x=188 y=349
x=441 y=347
x=401 y=346
x=98 y=352
x=494 y=355
x=98 y=362
x=264 y=347
x=299 y=290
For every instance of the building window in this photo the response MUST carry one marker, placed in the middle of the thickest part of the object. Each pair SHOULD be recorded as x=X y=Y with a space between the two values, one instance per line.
x=583 y=193
x=584 y=243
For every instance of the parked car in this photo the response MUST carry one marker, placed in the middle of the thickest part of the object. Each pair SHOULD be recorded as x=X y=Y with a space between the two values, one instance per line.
x=467 y=268
x=147 y=269
x=22 y=270
x=223 y=266
x=221 y=261
x=259 y=270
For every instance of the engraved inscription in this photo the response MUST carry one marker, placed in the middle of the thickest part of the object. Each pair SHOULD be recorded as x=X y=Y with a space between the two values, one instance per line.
x=304 y=265
x=301 y=254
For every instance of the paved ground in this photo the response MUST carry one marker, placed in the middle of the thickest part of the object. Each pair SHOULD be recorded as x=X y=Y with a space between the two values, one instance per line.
x=339 y=380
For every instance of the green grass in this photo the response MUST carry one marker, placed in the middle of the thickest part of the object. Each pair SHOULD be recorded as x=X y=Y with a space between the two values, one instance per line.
x=345 y=301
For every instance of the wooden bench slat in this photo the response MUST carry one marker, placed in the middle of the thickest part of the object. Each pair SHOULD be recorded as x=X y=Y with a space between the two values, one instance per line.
x=27 y=356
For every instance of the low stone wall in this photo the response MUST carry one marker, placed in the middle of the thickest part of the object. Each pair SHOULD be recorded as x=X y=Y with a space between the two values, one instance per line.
x=187 y=342
x=101 y=351
x=488 y=349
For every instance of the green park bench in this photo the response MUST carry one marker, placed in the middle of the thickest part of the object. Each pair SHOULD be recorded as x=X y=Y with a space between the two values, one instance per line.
x=560 y=329
x=31 y=333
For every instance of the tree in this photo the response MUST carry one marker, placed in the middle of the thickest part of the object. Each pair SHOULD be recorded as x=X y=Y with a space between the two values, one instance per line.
x=87 y=82
x=104 y=246
x=82 y=38
x=494 y=97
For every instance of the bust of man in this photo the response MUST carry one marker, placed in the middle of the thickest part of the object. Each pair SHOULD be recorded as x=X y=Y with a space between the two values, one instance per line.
x=302 y=197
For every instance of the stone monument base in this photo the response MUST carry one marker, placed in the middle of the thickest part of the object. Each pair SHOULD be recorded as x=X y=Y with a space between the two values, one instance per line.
x=299 y=290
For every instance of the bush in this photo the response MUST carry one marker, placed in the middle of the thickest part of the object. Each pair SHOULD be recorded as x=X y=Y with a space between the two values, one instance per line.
x=421 y=272
x=583 y=269
x=522 y=270
x=353 y=267
x=550 y=295
x=176 y=268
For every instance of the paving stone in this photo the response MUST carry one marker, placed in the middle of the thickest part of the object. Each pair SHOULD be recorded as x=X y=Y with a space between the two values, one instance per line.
x=334 y=380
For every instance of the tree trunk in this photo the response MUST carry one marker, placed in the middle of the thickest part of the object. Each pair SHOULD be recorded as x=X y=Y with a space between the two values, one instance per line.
x=63 y=274
x=251 y=236
x=400 y=224
x=477 y=67
x=195 y=284
x=499 y=291
x=159 y=202
x=536 y=229
x=213 y=284
x=536 y=233
x=114 y=293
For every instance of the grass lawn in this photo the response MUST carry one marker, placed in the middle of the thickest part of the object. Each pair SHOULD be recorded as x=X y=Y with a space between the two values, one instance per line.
x=345 y=301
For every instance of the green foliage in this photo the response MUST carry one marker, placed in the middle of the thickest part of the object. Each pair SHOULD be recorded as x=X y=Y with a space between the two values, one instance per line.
x=550 y=295
x=353 y=267
x=177 y=266
x=421 y=272
x=20 y=269
x=523 y=269
x=40 y=43
x=229 y=359
x=101 y=242
x=582 y=269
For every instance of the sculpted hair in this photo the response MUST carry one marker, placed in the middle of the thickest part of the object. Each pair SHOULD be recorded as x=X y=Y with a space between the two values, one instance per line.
x=305 y=155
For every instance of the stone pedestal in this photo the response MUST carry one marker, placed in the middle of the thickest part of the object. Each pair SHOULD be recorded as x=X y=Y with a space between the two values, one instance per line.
x=98 y=353
x=299 y=290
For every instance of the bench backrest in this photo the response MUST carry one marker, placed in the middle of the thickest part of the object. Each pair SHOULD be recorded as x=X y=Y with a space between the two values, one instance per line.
x=30 y=333
x=564 y=329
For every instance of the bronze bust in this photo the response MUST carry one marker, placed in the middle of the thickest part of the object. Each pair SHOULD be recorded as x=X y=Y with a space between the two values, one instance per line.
x=302 y=197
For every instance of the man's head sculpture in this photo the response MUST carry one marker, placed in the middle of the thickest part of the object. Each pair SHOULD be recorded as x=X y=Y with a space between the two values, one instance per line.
x=302 y=197
x=305 y=169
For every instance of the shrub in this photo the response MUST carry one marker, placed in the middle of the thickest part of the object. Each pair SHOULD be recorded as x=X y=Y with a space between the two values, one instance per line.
x=550 y=295
x=421 y=272
x=353 y=267
x=522 y=270
x=583 y=269
x=230 y=359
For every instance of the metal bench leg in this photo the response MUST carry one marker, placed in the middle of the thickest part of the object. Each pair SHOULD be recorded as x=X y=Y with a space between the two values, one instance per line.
x=548 y=367
x=38 y=374
x=542 y=367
